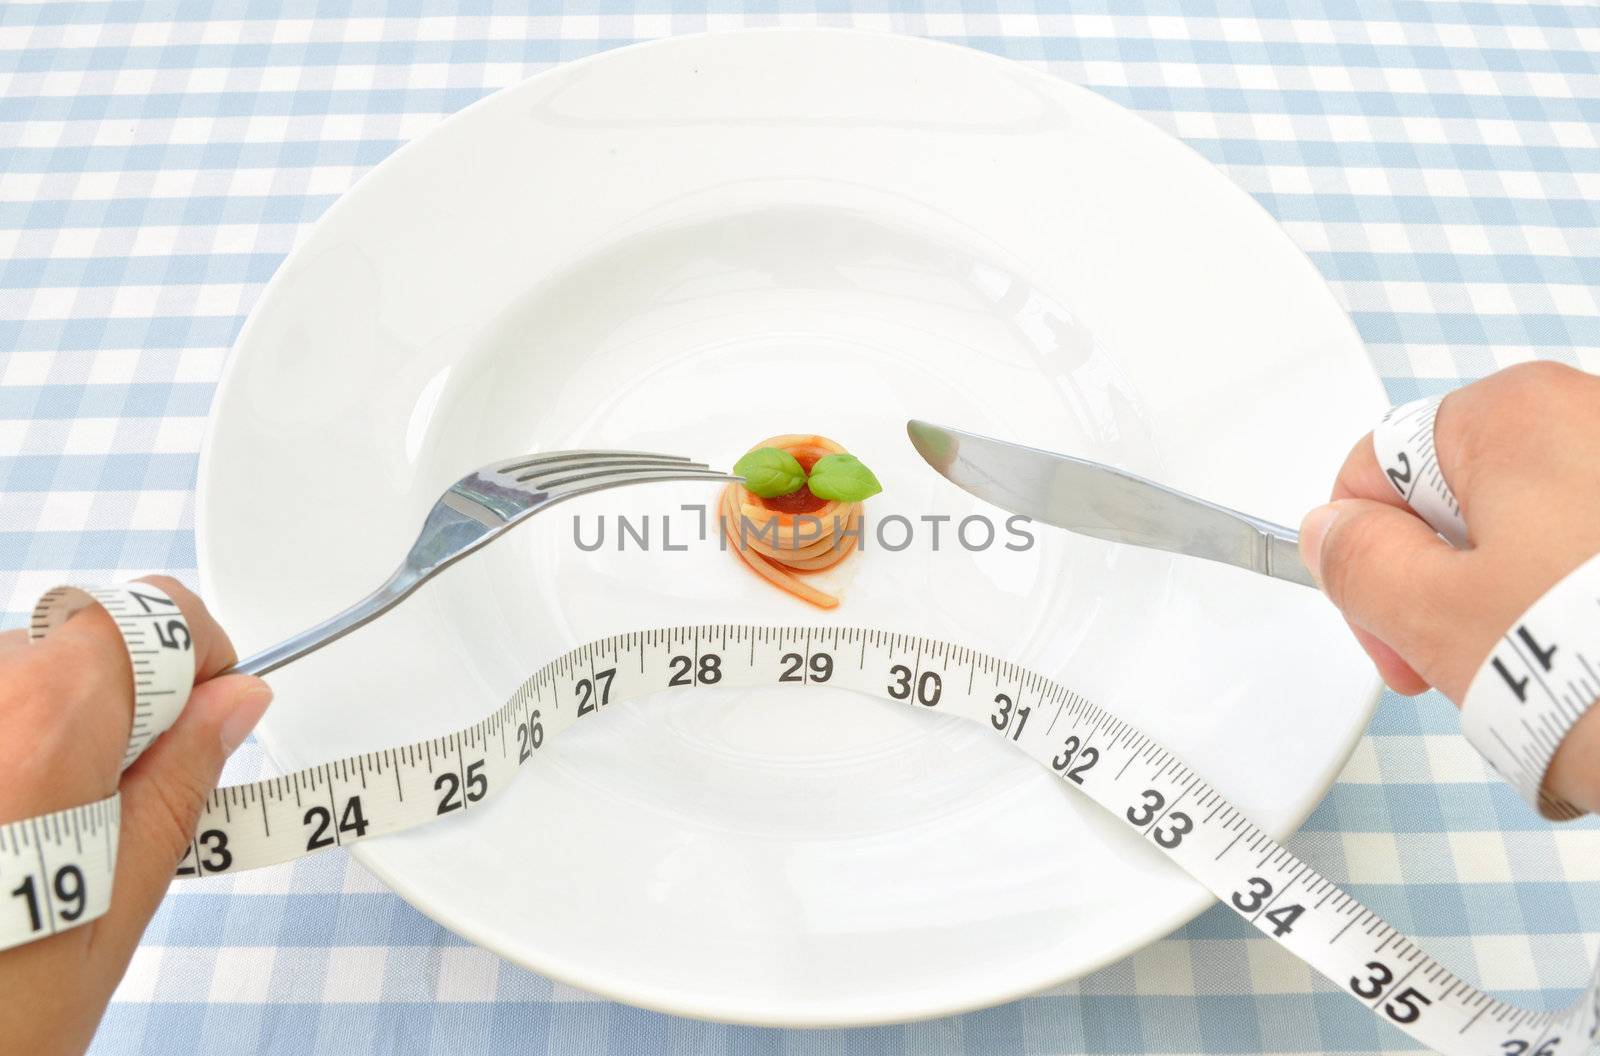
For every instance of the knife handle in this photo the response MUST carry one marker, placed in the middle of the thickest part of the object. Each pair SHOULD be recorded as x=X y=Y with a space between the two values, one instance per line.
x=1280 y=555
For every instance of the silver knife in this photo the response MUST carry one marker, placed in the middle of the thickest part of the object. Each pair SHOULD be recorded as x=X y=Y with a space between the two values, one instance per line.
x=1108 y=503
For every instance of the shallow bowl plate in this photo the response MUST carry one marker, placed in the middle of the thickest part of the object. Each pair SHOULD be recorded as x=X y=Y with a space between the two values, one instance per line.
x=689 y=245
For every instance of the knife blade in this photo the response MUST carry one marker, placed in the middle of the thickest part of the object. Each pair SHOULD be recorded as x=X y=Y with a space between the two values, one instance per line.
x=1098 y=500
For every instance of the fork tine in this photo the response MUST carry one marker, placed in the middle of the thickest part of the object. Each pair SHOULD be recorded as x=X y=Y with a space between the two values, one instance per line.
x=592 y=482
x=543 y=474
x=571 y=474
x=555 y=458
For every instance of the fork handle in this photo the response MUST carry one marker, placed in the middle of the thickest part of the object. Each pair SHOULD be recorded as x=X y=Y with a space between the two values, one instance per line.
x=332 y=629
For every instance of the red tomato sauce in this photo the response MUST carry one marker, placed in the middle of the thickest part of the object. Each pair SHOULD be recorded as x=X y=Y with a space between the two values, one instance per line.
x=801 y=501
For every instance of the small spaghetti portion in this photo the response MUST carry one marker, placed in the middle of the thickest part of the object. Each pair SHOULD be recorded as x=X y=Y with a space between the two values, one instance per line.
x=784 y=536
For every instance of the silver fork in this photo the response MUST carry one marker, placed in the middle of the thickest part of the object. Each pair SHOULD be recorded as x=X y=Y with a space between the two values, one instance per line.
x=476 y=510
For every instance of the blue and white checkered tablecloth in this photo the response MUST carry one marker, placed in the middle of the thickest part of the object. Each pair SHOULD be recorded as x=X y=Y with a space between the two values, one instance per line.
x=1439 y=162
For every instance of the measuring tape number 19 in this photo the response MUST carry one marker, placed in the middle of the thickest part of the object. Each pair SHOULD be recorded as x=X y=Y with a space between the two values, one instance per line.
x=59 y=867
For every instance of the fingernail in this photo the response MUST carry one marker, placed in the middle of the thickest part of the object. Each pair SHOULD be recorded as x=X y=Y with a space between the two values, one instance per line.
x=247 y=711
x=1313 y=530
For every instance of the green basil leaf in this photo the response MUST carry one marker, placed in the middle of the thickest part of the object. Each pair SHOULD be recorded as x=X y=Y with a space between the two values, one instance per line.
x=842 y=478
x=770 y=472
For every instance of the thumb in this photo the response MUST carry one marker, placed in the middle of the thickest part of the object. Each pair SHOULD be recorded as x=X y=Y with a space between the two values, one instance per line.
x=164 y=791
x=1392 y=577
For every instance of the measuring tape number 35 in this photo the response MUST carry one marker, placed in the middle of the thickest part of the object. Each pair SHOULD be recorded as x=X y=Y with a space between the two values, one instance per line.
x=58 y=868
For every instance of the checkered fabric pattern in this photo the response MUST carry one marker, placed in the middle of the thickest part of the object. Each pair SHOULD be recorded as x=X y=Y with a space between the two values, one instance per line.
x=1438 y=161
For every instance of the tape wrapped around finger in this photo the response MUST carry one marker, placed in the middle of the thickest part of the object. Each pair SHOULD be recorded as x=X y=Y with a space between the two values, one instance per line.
x=1403 y=441
x=1544 y=672
x=1542 y=676
x=157 y=640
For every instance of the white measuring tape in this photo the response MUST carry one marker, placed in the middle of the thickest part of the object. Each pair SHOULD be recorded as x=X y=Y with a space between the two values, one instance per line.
x=1542 y=676
x=58 y=868
x=1403 y=442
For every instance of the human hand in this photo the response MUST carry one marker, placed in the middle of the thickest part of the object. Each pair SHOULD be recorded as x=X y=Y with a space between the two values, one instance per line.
x=66 y=704
x=1521 y=450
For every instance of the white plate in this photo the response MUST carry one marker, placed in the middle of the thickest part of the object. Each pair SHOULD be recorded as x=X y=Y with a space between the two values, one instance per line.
x=686 y=246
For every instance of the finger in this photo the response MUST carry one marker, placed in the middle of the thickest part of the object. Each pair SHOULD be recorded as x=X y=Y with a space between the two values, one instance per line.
x=1389 y=574
x=165 y=790
x=1362 y=478
x=60 y=742
x=1395 y=672
x=1510 y=441
x=13 y=640
x=90 y=668
x=213 y=650
x=93 y=629
x=84 y=685
x=69 y=707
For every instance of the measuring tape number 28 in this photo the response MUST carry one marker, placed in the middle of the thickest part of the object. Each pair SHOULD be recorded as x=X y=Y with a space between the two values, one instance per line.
x=1115 y=765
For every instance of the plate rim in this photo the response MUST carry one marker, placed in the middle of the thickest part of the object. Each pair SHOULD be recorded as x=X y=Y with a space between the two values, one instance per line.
x=710 y=1009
